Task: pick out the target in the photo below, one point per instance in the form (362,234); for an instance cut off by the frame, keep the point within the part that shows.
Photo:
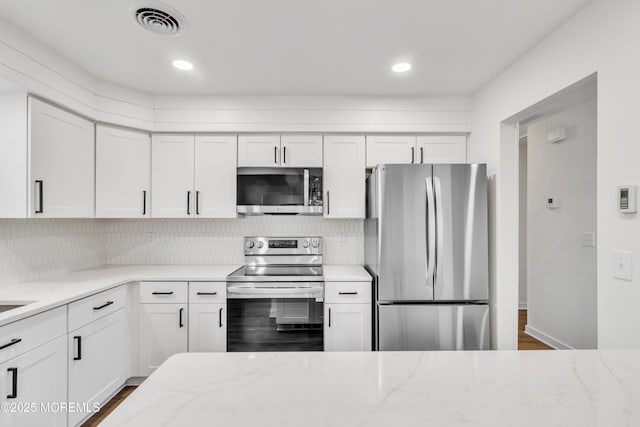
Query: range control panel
(282,245)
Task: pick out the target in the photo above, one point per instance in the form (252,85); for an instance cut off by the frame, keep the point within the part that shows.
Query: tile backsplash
(219,241)
(32,249)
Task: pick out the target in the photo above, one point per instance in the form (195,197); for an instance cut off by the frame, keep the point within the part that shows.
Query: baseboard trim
(134,381)
(547,339)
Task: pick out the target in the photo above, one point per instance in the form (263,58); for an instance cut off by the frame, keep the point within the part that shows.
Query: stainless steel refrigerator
(426,245)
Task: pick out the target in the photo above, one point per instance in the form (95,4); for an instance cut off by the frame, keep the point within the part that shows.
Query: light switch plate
(588,239)
(622,265)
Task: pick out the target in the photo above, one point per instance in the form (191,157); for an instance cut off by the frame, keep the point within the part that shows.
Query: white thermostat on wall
(627,199)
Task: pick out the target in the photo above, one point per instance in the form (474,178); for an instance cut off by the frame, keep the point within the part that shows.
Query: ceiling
(297,47)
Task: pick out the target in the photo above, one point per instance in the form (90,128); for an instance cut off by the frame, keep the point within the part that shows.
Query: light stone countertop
(59,290)
(525,388)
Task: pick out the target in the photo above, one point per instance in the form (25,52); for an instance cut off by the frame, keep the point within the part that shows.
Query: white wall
(602,38)
(32,249)
(218,241)
(561,272)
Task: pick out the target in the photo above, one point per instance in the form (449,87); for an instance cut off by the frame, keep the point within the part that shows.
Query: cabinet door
(442,149)
(382,149)
(215,176)
(208,327)
(97,356)
(172,176)
(302,151)
(344,176)
(163,333)
(347,327)
(62,163)
(41,379)
(123,173)
(258,150)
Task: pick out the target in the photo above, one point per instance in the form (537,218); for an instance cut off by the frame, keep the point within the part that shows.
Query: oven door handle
(293,291)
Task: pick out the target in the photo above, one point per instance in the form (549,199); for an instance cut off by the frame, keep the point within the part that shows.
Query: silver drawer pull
(347,293)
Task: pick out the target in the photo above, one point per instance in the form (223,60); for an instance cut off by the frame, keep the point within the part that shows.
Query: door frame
(505,298)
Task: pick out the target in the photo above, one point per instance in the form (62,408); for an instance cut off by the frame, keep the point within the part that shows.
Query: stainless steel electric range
(275,302)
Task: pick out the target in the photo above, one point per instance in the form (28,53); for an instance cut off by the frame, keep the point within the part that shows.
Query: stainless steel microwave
(292,191)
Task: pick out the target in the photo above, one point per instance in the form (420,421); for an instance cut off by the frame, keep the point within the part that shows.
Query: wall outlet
(622,261)
(552,203)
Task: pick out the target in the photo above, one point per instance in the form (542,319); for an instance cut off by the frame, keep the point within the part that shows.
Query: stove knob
(250,244)
(305,244)
(315,243)
(260,245)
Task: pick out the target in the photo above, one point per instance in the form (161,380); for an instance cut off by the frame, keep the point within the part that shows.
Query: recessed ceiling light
(402,67)
(182,65)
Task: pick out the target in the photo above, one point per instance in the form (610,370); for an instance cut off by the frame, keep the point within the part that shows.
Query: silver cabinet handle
(421,155)
(275,155)
(329,316)
(328,206)
(284,154)
(197,203)
(220,318)
(188,202)
(413,155)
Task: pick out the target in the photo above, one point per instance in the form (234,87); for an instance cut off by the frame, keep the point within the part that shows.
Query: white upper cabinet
(62,146)
(259,150)
(172,172)
(215,176)
(301,151)
(443,148)
(396,149)
(123,173)
(344,176)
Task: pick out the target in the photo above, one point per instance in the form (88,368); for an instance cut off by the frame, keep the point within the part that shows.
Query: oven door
(275,317)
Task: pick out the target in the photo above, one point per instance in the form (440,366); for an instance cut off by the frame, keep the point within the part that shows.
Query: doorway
(557,170)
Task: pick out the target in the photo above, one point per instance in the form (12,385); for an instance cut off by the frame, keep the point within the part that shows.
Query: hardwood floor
(98,417)
(526,342)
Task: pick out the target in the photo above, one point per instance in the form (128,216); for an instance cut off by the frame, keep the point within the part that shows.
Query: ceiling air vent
(160,19)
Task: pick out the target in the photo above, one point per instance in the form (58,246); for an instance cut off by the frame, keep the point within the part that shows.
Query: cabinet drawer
(32,332)
(163,292)
(207,292)
(347,292)
(96,306)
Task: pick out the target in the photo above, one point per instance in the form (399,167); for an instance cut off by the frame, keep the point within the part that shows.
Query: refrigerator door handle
(430,231)
(439,237)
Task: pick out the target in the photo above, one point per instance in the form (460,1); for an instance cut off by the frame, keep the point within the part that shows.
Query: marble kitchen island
(564,388)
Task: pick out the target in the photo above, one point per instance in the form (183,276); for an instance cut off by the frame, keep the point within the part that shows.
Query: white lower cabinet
(163,333)
(34,385)
(207,327)
(347,327)
(98,357)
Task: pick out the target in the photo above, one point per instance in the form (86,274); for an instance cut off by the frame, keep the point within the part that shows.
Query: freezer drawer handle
(14,383)
(347,293)
(79,341)
(10,343)
(106,304)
